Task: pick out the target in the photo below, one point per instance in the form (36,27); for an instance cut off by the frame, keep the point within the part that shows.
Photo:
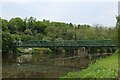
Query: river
(45,68)
(35,71)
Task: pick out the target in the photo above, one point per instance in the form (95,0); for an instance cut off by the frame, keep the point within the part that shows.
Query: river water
(44,69)
(35,71)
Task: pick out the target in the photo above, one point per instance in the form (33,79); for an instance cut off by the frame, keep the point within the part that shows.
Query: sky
(77,12)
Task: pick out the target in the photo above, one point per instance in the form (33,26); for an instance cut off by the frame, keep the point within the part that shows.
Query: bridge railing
(65,43)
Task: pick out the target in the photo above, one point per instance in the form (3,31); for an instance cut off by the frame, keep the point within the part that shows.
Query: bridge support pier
(82,52)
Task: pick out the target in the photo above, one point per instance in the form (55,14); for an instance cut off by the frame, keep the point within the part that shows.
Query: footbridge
(65,43)
(78,47)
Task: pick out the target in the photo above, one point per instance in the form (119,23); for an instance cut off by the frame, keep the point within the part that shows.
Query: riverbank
(102,68)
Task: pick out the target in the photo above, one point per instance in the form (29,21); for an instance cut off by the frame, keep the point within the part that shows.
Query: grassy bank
(102,68)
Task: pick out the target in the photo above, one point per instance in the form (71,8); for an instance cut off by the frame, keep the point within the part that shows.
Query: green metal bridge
(65,43)
(71,47)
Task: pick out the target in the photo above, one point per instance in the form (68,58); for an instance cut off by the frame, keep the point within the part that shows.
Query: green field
(102,68)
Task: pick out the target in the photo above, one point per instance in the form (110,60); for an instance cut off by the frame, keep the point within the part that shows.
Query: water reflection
(35,71)
(46,68)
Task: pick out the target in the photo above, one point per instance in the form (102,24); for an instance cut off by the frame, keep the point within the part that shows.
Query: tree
(7,45)
(27,37)
(31,23)
(40,26)
(28,31)
(16,25)
(4,25)
(39,36)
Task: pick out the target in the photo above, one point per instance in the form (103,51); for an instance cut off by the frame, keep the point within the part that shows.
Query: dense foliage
(32,29)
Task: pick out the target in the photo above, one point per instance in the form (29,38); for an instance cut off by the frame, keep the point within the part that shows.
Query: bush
(41,52)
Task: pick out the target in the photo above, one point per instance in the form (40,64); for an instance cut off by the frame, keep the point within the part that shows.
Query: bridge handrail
(74,43)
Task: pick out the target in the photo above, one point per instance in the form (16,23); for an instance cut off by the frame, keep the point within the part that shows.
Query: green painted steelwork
(65,43)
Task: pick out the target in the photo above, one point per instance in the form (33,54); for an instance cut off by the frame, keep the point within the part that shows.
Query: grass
(102,68)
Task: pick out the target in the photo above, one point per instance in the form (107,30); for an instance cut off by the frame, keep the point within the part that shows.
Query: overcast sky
(76,12)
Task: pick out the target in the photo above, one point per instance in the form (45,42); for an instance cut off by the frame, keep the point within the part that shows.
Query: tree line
(32,29)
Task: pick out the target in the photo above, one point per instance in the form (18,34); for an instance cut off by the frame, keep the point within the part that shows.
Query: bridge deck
(66,43)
